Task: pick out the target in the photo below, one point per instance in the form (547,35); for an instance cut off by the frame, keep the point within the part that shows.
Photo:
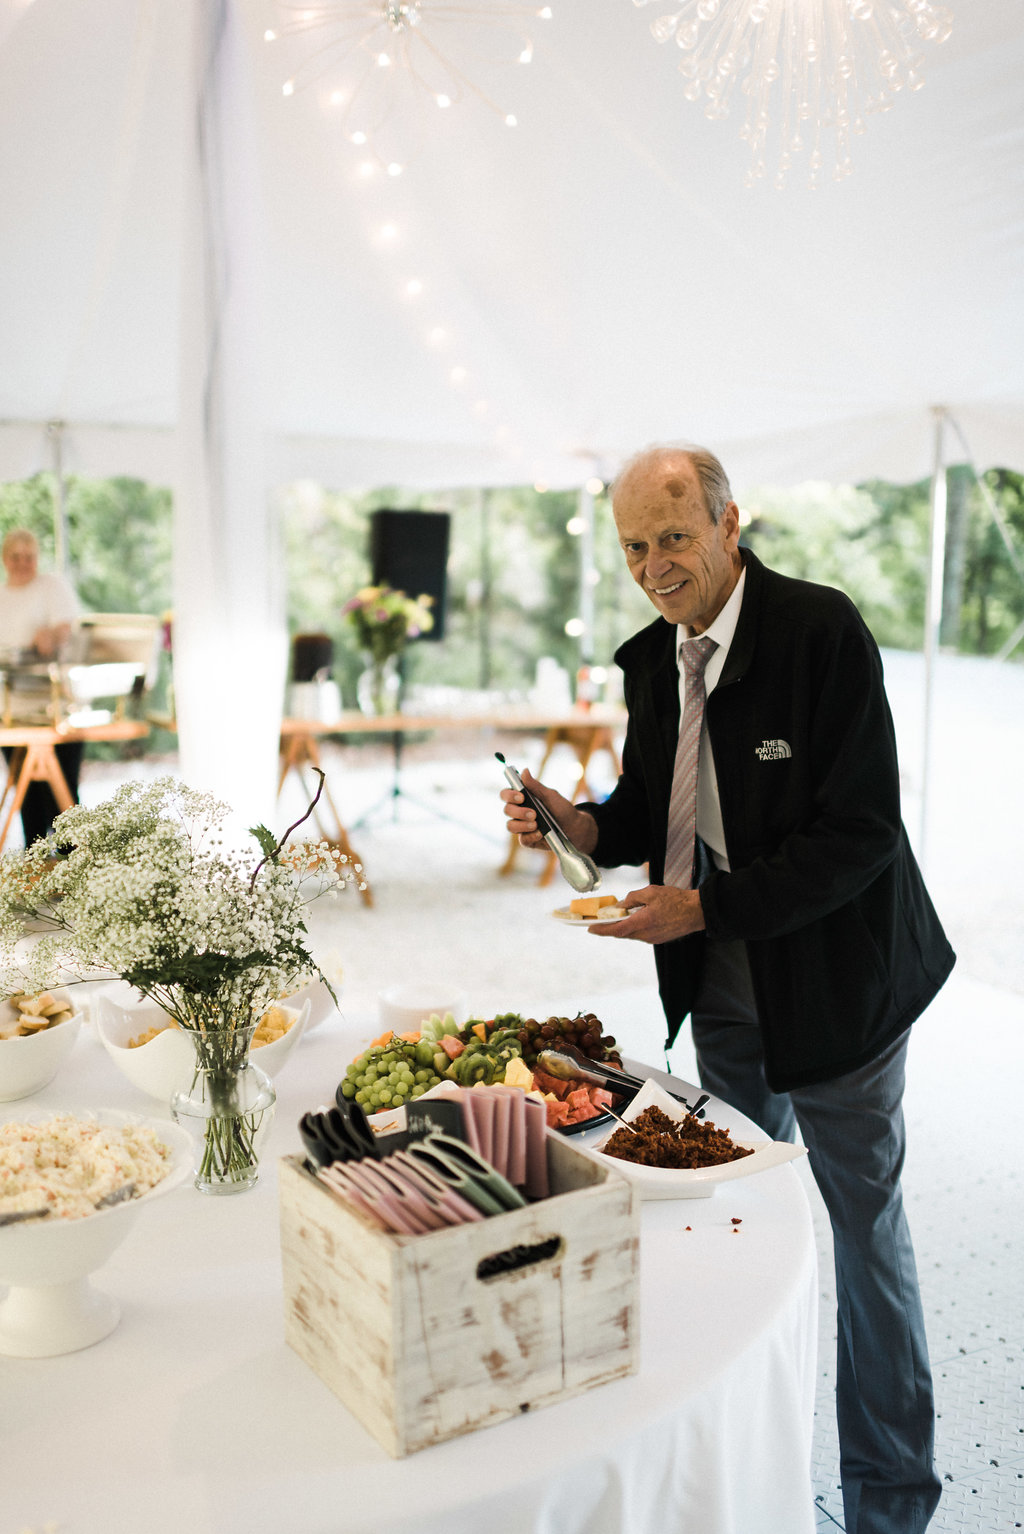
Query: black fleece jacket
(845,947)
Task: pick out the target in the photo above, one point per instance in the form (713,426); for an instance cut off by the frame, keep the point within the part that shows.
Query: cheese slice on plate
(591,905)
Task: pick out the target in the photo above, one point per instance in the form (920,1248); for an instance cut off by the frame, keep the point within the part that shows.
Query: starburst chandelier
(829,64)
(385,60)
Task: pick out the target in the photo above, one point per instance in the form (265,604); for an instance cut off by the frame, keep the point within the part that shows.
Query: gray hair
(712,478)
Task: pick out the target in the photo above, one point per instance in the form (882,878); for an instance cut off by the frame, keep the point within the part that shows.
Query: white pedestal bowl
(51,1306)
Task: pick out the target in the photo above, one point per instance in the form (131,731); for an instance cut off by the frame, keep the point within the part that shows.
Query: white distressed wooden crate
(419,1347)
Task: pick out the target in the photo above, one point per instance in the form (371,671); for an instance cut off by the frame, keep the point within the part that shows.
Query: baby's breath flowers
(147,888)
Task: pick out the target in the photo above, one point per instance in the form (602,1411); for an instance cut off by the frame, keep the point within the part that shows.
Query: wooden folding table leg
(33,764)
(14,770)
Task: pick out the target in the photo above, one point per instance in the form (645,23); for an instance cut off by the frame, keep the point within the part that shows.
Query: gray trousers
(854,1132)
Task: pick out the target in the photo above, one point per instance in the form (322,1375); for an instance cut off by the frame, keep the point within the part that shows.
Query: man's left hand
(657,914)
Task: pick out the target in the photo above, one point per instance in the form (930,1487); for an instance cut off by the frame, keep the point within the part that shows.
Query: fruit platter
(396,1069)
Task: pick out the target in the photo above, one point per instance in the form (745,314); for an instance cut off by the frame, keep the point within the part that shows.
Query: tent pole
(55,432)
(585,512)
(933,609)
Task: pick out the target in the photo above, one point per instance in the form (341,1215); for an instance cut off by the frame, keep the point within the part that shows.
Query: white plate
(564,913)
(697,1182)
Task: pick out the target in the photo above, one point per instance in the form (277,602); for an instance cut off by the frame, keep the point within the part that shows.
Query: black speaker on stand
(409,552)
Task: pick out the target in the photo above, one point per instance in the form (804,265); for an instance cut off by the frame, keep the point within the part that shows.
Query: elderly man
(37,614)
(788,916)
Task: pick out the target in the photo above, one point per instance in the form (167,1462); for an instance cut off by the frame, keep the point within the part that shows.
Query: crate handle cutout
(517,1257)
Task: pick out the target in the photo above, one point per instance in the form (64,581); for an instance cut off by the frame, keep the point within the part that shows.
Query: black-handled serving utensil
(570,1064)
(578,870)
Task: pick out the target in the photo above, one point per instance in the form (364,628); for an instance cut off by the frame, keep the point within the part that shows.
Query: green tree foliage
(513,581)
(873,543)
(119,538)
(993,591)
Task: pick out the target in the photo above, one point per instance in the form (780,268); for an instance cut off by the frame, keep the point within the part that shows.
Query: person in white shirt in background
(38,614)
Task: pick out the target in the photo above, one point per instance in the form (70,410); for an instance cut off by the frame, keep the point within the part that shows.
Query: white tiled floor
(965,1201)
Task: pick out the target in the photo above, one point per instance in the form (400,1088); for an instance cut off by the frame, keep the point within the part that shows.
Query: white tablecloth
(193,1415)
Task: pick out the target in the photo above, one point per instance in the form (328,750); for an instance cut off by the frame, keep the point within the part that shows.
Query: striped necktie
(694,655)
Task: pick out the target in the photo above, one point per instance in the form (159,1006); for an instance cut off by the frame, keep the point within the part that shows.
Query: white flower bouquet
(147,888)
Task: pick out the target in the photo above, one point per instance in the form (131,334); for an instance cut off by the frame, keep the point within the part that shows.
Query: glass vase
(228,1108)
(379,685)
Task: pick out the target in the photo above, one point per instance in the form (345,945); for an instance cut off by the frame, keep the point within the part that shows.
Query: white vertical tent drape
(230,642)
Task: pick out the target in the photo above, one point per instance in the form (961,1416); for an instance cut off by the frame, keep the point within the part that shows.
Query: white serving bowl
(404,1007)
(167,1063)
(28,1064)
(51,1307)
(321,1003)
(698,1182)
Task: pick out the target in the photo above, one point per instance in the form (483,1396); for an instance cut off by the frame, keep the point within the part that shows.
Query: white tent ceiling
(601,271)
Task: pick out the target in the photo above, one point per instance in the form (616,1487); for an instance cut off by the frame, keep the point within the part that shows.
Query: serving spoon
(119,1195)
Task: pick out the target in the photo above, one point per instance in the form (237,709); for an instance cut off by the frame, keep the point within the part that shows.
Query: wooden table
(34,759)
(584,731)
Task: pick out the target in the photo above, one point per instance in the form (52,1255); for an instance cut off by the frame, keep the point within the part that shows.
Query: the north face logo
(773,750)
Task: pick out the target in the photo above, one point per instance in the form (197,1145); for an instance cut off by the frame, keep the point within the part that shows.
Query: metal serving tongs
(570,1064)
(578,869)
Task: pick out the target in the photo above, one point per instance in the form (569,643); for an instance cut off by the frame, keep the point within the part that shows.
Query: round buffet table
(195,1415)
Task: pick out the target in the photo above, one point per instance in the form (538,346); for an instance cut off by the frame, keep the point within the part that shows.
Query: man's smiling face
(687,564)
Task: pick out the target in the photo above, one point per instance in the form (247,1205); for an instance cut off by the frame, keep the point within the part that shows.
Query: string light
(396,53)
(835,63)
(398,57)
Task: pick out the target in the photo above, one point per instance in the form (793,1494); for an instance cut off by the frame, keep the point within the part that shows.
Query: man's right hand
(579,827)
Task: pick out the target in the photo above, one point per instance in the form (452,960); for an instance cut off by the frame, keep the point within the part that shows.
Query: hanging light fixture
(389,57)
(828,64)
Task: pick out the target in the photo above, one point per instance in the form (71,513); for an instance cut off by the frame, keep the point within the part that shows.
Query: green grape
(348,1089)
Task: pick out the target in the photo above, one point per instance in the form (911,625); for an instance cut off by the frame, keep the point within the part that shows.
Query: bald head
(678,527)
(673,467)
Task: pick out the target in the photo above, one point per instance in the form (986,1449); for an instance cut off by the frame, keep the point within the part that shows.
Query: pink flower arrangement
(385,619)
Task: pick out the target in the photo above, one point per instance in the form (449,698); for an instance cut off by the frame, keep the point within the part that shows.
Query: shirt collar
(724,626)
